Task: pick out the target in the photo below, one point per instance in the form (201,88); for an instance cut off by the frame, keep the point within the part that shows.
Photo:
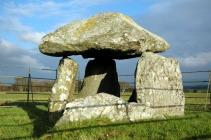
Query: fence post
(208,88)
(32,93)
(29,86)
(56,73)
(79,86)
(208,91)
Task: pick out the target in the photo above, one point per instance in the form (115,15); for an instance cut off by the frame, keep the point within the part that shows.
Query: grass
(29,121)
(25,121)
(197,98)
(21,97)
(191,126)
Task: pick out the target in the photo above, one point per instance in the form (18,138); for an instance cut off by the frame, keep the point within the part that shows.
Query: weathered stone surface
(100,76)
(159,84)
(110,35)
(63,88)
(105,105)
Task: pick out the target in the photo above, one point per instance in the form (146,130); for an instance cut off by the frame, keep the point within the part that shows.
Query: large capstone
(108,35)
(159,84)
(104,105)
(63,88)
(100,76)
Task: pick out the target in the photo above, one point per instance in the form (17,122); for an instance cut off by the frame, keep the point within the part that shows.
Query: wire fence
(35,85)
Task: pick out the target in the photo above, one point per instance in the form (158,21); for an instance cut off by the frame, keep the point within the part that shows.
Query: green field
(19,120)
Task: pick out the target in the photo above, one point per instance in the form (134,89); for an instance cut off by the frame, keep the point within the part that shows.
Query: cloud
(16,56)
(198,60)
(89,3)
(34,37)
(185,24)
(62,11)
(49,8)
(27,9)
(12,24)
(24,33)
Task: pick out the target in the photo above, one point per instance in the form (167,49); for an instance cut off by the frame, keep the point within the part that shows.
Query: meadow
(19,120)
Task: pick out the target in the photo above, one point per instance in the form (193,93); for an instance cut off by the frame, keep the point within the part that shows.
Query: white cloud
(86,3)
(49,8)
(12,24)
(27,60)
(6,47)
(64,10)
(27,9)
(34,37)
(13,55)
(24,32)
(198,60)
(185,24)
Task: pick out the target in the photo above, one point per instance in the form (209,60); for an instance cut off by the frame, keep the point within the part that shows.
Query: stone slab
(106,35)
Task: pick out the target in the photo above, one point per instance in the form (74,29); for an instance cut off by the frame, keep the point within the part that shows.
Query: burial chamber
(105,37)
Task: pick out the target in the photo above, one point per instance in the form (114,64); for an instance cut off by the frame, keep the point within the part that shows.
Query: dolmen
(158,90)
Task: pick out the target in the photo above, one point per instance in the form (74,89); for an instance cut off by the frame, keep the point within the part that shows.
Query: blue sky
(185,24)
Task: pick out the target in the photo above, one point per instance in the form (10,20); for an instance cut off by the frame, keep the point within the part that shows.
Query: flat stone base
(104,105)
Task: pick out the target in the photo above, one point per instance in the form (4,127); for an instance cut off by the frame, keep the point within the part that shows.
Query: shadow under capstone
(100,77)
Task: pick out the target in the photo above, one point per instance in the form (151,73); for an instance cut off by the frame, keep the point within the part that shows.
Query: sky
(185,24)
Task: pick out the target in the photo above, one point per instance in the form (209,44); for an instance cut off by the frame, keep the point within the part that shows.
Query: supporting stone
(159,84)
(133,97)
(100,76)
(63,89)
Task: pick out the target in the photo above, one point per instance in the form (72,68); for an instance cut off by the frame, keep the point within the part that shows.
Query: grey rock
(159,84)
(63,88)
(100,76)
(107,35)
(137,112)
(104,105)
(96,106)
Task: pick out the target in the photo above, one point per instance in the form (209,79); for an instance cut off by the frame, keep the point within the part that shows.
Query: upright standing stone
(159,84)
(64,87)
(100,76)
